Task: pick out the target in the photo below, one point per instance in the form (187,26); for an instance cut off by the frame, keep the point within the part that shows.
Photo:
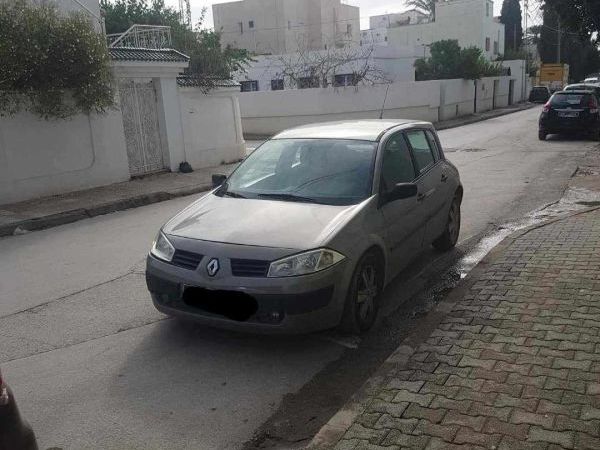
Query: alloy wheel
(366,293)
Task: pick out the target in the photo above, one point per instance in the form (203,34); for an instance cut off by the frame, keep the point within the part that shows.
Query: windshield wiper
(289,198)
(233,194)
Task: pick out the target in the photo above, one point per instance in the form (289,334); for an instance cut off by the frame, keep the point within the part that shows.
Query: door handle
(421,197)
(444,178)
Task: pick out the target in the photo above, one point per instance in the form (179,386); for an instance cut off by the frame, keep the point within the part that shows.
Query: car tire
(449,237)
(542,135)
(364,294)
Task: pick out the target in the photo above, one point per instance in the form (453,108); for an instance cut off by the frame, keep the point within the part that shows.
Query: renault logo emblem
(212,267)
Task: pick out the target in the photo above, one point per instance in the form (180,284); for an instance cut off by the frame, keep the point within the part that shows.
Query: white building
(410,17)
(470,22)
(388,64)
(284,26)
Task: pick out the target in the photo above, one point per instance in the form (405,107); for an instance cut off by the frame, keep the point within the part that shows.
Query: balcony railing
(142,36)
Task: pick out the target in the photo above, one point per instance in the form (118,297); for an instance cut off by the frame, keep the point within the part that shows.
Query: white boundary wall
(40,157)
(212,127)
(267,113)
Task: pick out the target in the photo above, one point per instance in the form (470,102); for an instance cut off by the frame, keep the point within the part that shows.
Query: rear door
(404,219)
(432,182)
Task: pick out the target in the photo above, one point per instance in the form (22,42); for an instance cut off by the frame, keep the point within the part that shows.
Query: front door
(403,218)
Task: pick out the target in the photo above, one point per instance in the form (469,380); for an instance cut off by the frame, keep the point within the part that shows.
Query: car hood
(264,223)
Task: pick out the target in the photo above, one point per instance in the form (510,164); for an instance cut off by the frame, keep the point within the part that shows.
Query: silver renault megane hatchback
(307,231)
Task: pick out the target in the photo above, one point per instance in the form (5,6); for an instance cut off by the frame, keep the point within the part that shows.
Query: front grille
(249,268)
(187,260)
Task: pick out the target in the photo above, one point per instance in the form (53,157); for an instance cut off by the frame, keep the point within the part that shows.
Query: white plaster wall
(39,157)
(266,113)
(517,73)
(457,98)
(212,128)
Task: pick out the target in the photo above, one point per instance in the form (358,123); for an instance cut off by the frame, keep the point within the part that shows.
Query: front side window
(328,171)
(421,150)
(397,163)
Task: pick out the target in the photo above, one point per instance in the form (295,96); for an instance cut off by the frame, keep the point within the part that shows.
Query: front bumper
(263,305)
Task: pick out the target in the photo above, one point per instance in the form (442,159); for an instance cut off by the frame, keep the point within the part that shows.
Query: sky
(367,8)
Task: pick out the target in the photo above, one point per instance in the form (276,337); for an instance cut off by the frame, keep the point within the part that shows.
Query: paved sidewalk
(510,360)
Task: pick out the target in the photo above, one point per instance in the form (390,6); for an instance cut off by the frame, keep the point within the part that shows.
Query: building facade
(470,22)
(286,26)
(268,72)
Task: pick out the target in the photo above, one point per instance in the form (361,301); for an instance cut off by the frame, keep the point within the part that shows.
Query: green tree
(427,6)
(576,49)
(448,60)
(579,16)
(511,17)
(52,65)
(209,61)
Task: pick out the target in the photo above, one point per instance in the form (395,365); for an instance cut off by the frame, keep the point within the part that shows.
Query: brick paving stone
(514,364)
(562,438)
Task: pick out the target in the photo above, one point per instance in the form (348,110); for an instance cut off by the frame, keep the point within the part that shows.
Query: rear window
(571,99)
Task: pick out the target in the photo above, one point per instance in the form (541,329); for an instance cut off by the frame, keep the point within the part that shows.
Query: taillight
(593,105)
(546,107)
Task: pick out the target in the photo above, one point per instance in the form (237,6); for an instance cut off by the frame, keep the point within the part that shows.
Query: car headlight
(162,248)
(305,263)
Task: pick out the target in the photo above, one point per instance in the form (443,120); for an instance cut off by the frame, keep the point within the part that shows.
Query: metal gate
(140,121)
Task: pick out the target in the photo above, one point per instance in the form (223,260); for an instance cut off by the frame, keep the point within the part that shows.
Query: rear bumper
(286,305)
(566,126)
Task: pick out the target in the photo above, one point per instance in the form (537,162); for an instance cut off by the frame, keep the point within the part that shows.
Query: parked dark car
(539,94)
(15,433)
(570,112)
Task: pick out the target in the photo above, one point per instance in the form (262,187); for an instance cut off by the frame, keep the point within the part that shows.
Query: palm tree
(427,6)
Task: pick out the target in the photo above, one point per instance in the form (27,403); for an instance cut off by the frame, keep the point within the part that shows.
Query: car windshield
(570,100)
(327,171)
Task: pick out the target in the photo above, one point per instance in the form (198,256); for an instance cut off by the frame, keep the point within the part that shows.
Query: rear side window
(421,150)
(566,100)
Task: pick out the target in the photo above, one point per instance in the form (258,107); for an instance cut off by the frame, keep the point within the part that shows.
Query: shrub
(53,66)
(448,60)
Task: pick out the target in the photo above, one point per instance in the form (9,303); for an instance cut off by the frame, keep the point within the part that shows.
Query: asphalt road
(95,366)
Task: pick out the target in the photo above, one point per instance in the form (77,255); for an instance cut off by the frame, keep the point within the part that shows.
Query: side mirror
(401,191)
(218,180)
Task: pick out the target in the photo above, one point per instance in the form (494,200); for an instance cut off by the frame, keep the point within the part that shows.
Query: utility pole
(559,42)
(526,46)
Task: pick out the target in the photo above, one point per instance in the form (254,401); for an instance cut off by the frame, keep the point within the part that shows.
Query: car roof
(364,130)
(590,86)
(576,91)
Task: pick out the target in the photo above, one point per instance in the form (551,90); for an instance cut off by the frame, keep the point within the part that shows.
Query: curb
(337,426)
(65,217)
(475,119)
